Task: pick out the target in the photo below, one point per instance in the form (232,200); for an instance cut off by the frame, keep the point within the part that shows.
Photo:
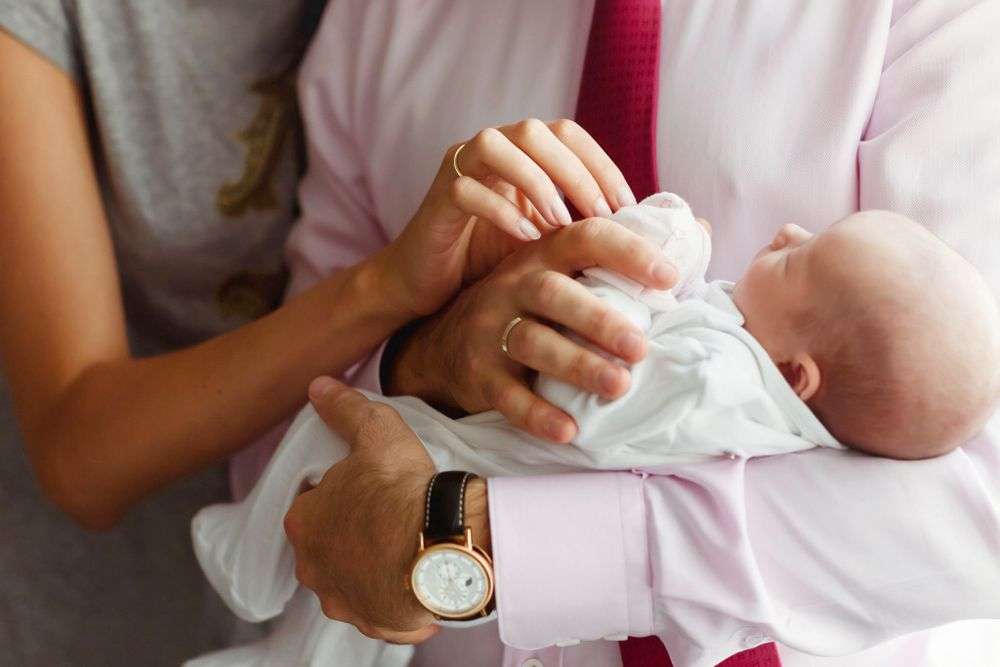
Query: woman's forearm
(126,427)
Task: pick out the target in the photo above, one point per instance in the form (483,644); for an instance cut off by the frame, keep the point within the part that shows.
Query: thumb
(348,413)
(343,409)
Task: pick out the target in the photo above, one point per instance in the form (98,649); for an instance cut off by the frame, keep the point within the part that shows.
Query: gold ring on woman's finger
(505,338)
(454,162)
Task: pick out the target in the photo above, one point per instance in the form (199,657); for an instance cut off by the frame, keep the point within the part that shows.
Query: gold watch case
(470,550)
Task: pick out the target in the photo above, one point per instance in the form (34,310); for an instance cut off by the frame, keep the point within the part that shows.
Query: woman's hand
(508,194)
(355,535)
(455,358)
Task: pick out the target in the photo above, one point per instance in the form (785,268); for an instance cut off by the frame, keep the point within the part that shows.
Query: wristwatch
(451,577)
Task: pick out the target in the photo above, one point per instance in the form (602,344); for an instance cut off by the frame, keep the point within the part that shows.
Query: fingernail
(630,345)
(528,230)
(663,272)
(601,208)
(321,386)
(608,379)
(560,212)
(625,196)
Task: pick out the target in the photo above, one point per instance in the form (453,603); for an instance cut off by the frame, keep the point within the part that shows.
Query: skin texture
(894,364)
(104,429)
(362,581)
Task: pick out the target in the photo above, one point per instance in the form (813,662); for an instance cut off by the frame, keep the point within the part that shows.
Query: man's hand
(355,535)
(454,359)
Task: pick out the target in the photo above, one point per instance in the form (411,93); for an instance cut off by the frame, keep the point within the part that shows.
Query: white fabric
(705,389)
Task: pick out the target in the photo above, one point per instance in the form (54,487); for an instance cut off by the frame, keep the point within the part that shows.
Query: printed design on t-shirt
(249,295)
(265,139)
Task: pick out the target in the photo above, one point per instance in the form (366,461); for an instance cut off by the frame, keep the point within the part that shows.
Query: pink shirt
(769,112)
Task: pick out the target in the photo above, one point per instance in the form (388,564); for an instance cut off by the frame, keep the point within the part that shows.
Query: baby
(889,336)
(872,334)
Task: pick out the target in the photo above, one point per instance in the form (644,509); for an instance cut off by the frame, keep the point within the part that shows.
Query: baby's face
(777,282)
(798,268)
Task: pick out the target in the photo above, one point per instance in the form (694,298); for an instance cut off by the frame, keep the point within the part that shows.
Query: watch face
(450,582)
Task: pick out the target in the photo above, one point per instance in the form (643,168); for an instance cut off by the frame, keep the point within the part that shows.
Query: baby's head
(890,337)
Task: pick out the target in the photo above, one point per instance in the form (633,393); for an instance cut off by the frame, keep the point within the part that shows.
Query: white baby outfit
(705,389)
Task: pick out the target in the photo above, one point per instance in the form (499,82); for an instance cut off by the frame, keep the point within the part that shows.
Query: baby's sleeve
(666,221)
(698,393)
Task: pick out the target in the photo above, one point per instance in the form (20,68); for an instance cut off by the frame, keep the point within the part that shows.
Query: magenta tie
(617,101)
(617,106)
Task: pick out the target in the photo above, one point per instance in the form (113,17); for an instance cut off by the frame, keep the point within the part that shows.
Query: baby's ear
(802,374)
(705,224)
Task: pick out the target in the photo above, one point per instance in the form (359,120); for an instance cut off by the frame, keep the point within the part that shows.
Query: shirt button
(532,662)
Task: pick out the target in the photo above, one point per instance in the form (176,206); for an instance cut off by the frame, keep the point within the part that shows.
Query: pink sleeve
(828,552)
(558,583)
(737,552)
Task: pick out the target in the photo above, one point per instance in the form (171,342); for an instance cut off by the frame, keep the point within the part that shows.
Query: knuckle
(640,249)
(564,128)
(376,421)
(590,230)
(381,414)
(600,320)
(549,287)
(505,399)
(469,364)
(486,139)
(530,129)
(474,365)
(536,415)
(582,368)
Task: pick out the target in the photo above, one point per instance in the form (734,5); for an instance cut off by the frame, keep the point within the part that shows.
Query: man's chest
(761,105)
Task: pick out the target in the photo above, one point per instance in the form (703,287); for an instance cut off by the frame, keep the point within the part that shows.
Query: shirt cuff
(570,558)
(365,374)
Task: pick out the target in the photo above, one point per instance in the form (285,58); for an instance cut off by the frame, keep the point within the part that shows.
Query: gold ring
(506,334)
(454,161)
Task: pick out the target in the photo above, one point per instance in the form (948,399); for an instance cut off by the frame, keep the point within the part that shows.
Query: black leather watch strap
(444,514)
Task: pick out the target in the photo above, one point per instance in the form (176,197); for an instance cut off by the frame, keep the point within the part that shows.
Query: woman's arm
(104,429)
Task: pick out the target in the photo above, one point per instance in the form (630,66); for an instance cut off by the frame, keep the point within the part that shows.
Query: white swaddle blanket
(706,388)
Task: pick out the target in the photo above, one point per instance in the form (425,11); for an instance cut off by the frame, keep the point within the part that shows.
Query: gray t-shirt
(193,126)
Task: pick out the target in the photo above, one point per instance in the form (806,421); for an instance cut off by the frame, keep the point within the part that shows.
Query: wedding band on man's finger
(505,338)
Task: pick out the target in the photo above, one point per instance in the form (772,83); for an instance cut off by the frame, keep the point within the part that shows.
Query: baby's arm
(666,220)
